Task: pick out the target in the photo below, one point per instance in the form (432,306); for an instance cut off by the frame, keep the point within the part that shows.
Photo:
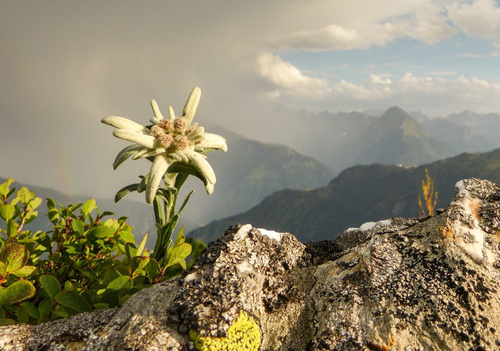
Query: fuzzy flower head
(175,145)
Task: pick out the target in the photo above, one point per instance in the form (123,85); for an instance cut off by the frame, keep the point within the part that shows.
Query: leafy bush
(87,261)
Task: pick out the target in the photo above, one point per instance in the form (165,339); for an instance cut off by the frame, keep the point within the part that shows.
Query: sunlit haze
(64,65)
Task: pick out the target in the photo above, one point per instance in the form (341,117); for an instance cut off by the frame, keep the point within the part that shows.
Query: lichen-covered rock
(401,284)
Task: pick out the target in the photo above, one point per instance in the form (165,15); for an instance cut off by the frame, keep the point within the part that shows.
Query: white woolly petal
(156,110)
(201,164)
(148,153)
(181,154)
(212,141)
(123,123)
(139,138)
(192,104)
(158,169)
(171,113)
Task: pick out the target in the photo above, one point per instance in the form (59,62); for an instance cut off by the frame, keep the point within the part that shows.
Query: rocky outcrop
(400,284)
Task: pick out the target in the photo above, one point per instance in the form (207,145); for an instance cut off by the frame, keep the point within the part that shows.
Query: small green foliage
(87,261)
(244,334)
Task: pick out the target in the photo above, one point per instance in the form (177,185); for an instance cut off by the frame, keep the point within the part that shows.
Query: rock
(401,284)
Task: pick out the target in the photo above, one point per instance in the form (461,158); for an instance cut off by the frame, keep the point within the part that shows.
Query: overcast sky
(64,65)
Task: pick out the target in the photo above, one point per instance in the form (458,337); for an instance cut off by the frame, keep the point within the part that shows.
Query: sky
(64,65)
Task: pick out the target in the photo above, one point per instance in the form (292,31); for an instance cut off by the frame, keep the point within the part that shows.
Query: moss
(244,334)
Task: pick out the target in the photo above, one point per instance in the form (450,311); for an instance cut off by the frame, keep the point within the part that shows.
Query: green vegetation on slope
(359,194)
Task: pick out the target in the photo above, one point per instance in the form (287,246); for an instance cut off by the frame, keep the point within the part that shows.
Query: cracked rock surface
(400,284)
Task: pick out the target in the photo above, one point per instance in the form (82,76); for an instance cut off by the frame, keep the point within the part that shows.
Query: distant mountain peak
(395,114)
(396,109)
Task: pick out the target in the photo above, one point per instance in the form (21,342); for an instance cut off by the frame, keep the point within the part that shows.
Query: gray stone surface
(401,284)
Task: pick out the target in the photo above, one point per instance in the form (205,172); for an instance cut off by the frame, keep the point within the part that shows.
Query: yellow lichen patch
(244,334)
(447,231)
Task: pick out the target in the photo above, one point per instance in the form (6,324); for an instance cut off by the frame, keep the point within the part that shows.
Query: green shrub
(87,261)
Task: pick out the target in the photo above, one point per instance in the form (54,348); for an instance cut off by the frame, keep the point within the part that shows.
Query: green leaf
(3,268)
(180,237)
(100,305)
(115,289)
(109,276)
(17,291)
(14,255)
(62,312)
(125,191)
(171,272)
(12,228)
(130,250)
(22,315)
(142,245)
(88,206)
(139,263)
(25,195)
(78,226)
(197,246)
(126,236)
(51,204)
(120,283)
(32,309)
(152,270)
(45,309)
(72,300)
(30,216)
(4,187)
(35,202)
(126,153)
(68,286)
(104,230)
(51,285)
(7,211)
(184,203)
(53,215)
(24,272)
(179,255)
(7,321)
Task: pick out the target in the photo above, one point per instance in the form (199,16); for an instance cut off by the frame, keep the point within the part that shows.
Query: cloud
(442,73)
(282,78)
(425,22)
(480,18)
(374,79)
(435,93)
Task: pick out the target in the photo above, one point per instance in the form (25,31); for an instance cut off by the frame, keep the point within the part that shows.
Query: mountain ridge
(358,194)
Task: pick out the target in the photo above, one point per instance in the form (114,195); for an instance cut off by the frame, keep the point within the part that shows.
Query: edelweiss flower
(175,144)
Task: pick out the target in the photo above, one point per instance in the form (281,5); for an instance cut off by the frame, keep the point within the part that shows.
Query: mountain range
(249,172)
(253,171)
(357,195)
(345,139)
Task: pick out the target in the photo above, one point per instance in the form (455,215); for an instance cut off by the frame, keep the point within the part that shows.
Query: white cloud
(480,18)
(423,21)
(283,78)
(374,79)
(443,73)
(436,93)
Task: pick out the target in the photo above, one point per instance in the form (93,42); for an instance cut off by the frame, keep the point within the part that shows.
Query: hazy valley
(274,186)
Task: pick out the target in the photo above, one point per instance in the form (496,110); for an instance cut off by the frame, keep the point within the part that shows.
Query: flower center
(173,134)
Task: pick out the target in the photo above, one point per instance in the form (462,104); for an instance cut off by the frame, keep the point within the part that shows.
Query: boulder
(399,284)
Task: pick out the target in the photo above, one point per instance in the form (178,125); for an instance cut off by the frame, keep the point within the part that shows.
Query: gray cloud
(65,65)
